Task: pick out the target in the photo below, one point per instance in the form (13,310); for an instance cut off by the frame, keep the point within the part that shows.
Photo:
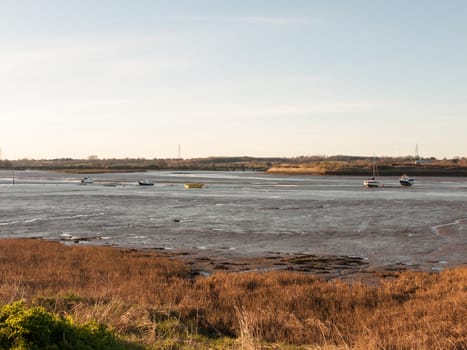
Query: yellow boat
(194,185)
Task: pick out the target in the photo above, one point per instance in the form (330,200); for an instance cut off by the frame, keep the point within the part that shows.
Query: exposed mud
(241,221)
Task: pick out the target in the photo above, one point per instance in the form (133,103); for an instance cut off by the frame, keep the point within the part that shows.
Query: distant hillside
(141,164)
(314,165)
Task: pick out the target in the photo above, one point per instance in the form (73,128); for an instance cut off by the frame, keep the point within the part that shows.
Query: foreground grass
(154,302)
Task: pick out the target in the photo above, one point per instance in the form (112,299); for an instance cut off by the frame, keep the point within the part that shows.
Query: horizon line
(95,158)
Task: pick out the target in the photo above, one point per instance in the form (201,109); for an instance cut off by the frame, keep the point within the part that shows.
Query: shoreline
(292,171)
(306,165)
(428,171)
(326,267)
(207,262)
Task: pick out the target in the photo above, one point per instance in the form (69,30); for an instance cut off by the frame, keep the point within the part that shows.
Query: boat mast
(374,167)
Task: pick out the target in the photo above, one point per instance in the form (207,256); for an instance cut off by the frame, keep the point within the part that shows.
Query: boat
(372,182)
(406,180)
(87,180)
(194,185)
(145,183)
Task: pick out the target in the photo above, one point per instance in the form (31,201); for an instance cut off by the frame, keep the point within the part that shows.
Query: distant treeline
(316,165)
(387,166)
(141,164)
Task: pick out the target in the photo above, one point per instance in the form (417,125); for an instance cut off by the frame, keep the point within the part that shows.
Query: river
(245,214)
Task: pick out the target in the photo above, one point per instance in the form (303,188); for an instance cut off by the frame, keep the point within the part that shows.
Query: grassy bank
(315,165)
(156,302)
(349,169)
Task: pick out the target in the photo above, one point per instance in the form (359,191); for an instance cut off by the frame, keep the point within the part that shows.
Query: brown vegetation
(362,167)
(140,164)
(316,165)
(156,301)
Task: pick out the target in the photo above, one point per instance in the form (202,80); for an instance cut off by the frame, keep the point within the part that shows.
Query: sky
(260,78)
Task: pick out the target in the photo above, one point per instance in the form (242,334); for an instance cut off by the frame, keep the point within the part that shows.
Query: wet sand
(330,226)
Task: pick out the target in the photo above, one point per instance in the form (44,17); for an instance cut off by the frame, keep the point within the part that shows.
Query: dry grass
(154,301)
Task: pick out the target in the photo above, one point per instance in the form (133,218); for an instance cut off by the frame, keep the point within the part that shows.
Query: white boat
(87,180)
(406,180)
(145,183)
(372,181)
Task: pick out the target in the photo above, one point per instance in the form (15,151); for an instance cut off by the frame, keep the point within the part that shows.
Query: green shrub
(36,328)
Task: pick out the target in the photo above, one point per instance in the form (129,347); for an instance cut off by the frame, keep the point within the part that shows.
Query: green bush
(36,328)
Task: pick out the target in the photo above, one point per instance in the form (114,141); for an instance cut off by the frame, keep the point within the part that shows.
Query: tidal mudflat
(293,221)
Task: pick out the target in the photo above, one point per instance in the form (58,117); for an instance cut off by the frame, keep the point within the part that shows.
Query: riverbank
(159,302)
(315,165)
(326,267)
(384,170)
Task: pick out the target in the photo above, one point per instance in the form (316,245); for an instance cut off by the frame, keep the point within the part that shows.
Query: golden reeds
(154,300)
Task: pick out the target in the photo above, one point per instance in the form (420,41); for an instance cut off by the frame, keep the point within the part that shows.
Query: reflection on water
(244,213)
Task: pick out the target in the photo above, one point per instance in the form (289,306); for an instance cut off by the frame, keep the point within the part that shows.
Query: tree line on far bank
(227,163)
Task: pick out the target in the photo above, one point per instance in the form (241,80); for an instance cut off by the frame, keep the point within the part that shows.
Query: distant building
(422,161)
(93,157)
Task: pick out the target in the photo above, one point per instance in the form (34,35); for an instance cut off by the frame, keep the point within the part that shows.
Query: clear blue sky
(137,78)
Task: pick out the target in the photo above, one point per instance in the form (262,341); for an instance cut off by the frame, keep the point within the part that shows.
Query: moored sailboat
(87,180)
(406,180)
(372,181)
